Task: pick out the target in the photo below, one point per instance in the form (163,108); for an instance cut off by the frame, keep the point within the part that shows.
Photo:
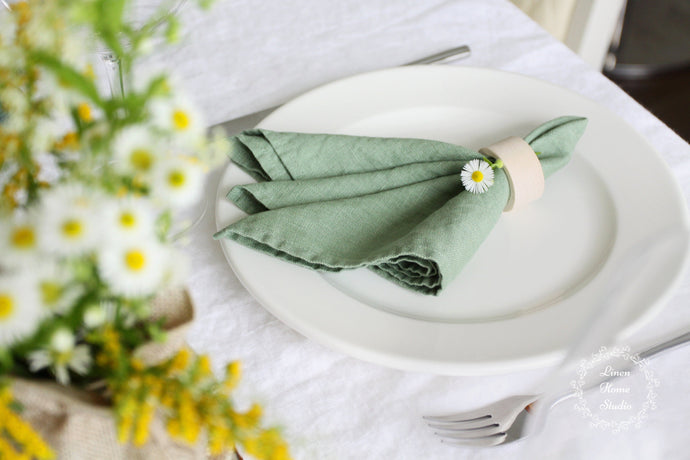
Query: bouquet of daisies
(90,184)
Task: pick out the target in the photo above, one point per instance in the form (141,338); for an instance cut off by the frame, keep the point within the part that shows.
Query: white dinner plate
(534,281)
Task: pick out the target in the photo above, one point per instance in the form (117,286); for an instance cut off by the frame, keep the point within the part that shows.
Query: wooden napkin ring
(523,170)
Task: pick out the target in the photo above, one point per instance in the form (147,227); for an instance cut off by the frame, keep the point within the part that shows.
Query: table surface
(246,56)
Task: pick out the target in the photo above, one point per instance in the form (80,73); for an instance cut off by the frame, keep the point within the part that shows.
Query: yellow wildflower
(23,11)
(205,366)
(219,439)
(141,427)
(137,365)
(19,433)
(180,361)
(233,373)
(69,141)
(267,444)
(124,427)
(174,427)
(189,417)
(84,112)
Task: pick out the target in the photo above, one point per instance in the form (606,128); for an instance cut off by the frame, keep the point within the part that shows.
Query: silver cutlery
(496,424)
(239,124)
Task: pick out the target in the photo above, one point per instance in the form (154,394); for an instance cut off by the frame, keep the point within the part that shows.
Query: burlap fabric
(80,425)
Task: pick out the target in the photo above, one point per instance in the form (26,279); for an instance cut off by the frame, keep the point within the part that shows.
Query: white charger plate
(540,273)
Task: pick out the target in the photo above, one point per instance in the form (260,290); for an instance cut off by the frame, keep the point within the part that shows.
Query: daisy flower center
(176,179)
(477,176)
(6,306)
(84,112)
(128,220)
(180,120)
(141,159)
(72,228)
(23,237)
(135,260)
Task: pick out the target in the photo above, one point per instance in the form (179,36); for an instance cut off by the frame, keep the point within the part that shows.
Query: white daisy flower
(20,309)
(134,269)
(69,221)
(129,218)
(61,355)
(19,240)
(136,150)
(178,116)
(178,181)
(477,176)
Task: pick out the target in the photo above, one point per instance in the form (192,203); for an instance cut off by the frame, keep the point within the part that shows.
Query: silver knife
(237,125)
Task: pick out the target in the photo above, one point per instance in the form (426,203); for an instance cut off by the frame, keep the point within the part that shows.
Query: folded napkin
(396,206)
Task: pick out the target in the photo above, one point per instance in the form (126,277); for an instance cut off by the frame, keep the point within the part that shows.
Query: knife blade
(237,125)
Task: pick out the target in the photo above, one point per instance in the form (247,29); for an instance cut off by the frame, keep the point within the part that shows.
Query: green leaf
(112,13)
(69,75)
(6,361)
(172,31)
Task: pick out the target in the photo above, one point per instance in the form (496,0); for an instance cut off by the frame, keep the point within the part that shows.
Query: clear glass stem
(113,71)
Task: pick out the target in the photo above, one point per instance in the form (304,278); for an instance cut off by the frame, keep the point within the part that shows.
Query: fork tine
(478,414)
(482,432)
(487,441)
(463,425)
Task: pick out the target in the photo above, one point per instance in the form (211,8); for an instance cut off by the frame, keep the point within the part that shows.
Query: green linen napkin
(396,206)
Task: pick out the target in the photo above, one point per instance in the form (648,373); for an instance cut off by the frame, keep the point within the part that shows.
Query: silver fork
(483,427)
(497,423)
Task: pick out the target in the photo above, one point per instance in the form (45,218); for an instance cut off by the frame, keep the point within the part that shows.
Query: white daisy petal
(95,316)
(61,373)
(39,359)
(62,341)
(81,360)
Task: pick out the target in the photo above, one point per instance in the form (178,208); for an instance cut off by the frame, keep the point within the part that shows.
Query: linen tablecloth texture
(396,206)
(247,56)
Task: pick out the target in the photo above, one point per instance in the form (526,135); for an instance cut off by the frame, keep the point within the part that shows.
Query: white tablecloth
(244,56)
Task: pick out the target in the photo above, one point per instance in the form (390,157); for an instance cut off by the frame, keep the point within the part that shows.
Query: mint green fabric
(396,206)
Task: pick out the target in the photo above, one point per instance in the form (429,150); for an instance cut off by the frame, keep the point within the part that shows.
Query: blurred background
(641,45)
